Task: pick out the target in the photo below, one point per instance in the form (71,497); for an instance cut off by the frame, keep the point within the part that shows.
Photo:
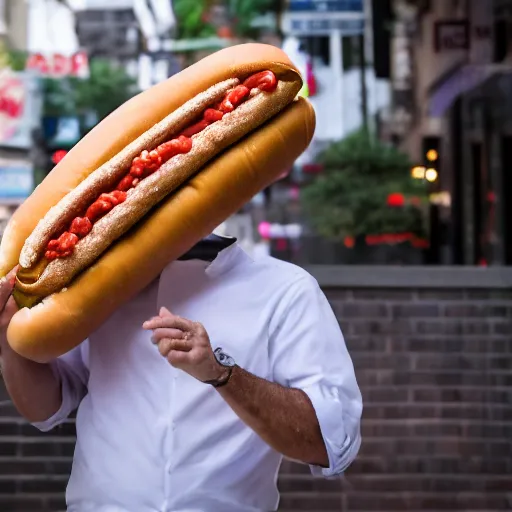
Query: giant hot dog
(144,186)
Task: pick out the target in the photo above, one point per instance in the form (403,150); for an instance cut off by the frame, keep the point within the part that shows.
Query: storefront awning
(457,82)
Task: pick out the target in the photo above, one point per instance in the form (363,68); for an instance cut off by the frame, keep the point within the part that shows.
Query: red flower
(311,79)
(224,32)
(396,200)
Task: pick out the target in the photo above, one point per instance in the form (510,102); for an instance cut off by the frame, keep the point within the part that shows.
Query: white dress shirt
(151,438)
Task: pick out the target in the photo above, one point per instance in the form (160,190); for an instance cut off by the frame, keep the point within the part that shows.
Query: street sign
(20,107)
(16,180)
(325,6)
(305,26)
(322,17)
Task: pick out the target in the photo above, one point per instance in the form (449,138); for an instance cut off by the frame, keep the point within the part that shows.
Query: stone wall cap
(359,276)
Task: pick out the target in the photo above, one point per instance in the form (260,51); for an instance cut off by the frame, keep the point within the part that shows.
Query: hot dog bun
(65,319)
(123,126)
(224,133)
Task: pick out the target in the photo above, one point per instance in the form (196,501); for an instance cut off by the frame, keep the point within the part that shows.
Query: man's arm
(307,351)
(38,391)
(283,417)
(33,387)
(311,411)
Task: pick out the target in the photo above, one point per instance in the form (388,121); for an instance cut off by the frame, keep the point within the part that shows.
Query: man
(176,415)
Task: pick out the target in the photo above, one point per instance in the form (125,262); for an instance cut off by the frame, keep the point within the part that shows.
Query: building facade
(329,37)
(451,72)
(13,23)
(20,103)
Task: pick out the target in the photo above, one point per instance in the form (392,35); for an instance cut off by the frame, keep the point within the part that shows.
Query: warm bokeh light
(418,172)
(431,175)
(432,155)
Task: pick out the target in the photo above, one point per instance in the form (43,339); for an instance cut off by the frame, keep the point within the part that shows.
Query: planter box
(319,251)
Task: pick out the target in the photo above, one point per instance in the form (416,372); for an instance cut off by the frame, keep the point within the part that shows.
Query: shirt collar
(226,259)
(208,248)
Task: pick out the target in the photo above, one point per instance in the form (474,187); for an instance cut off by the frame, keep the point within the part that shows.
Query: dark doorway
(479,187)
(506,195)
(457,224)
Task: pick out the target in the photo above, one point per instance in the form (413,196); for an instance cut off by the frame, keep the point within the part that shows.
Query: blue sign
(16,180)
(325,6)
(312,26)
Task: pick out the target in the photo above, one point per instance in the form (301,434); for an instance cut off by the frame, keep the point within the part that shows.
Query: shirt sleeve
(72,371)
(308,352)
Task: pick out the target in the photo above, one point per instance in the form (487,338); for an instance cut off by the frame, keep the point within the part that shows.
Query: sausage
(149,162)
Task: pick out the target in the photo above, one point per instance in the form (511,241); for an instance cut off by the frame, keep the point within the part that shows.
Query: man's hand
(272,411)
(186,345)
(8,306)
(33,388)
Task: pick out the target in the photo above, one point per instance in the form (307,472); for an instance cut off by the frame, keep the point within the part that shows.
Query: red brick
(434,368)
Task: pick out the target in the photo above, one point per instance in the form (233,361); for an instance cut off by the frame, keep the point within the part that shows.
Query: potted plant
(366,203)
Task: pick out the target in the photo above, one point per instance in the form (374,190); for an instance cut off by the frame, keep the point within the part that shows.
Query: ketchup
(149,162)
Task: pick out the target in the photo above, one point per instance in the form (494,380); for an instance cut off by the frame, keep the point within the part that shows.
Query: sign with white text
(16,180)
(325,6)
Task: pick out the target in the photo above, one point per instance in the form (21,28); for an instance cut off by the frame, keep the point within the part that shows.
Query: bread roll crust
(110,173)
(155,188)
(65,319)
(127,123)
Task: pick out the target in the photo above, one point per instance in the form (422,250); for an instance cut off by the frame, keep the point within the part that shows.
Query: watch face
(223,358)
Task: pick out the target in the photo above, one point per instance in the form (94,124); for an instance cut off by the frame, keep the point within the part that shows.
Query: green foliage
(246,11)
(189,15)
(12,59)
(107,88)
(17,60)
(350,197)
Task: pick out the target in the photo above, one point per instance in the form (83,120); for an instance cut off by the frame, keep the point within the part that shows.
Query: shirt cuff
(68,400)
(340,431)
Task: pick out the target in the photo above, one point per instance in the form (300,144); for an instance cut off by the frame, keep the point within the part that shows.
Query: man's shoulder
(281,273)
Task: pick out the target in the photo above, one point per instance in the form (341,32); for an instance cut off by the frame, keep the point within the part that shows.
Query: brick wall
(435,368)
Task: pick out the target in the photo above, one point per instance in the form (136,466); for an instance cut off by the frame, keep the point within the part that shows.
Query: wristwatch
(227,362)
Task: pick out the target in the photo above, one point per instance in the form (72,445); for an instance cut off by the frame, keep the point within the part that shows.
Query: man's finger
(11,308)
(154,323)
(6,286)
(178,358)
(166,345)
(168,322)
(160,334)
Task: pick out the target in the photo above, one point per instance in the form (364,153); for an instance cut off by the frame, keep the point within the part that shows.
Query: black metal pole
(364,91)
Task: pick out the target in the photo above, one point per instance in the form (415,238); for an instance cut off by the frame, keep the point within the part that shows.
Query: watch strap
(218,383)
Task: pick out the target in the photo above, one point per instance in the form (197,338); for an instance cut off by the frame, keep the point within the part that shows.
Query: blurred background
(409,160)
(400,208)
